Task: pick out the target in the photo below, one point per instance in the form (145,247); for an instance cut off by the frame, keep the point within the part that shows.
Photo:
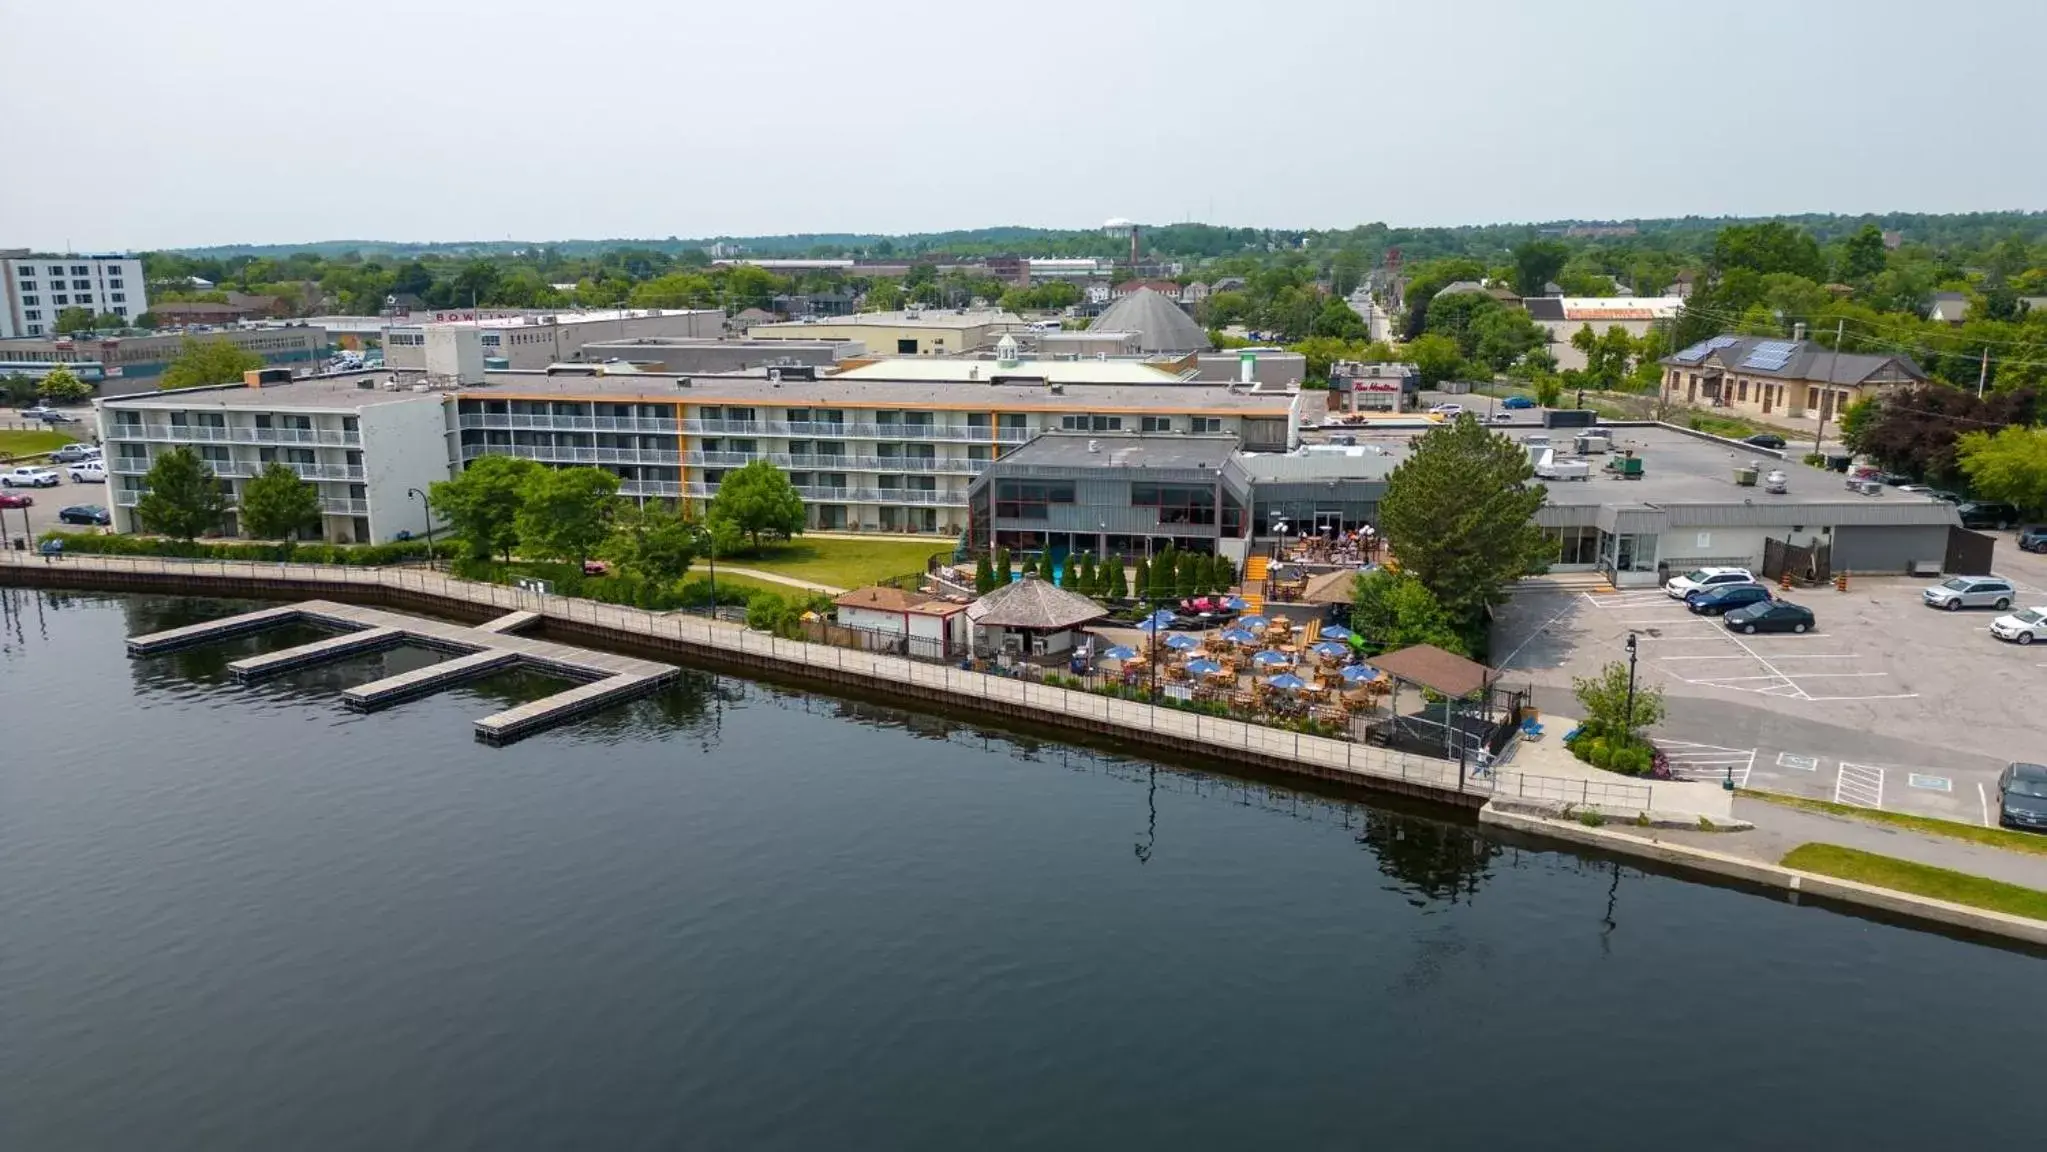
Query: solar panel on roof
(1704,348)
(1770,355)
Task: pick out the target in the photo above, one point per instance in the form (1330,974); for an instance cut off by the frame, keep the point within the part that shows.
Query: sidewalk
(778,578)
(1685,799)
(1779,829)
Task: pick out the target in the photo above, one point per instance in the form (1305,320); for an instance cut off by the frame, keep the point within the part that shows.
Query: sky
(222,122)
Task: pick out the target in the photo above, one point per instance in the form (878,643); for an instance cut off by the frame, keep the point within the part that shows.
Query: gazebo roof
(1033,603)
(1432,667)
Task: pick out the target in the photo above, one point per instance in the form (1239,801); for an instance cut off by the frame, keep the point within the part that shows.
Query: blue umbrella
(1119,652)
(1334,633)
(1358,673)
(1152,627)
(1288,681)
(1268,659)
(1162,617)
(1331,649)
(1203,667)
(1239,636)
(1234,603)
(1182,641)
(1252,621)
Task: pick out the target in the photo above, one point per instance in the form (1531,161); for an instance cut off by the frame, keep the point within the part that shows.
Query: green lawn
(728,580)
(840,563)
(1918,879)
(2031,842)
(14,442)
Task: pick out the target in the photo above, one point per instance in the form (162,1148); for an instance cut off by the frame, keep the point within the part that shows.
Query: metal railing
(1136,718)
(231,434)
(806,429)
(918,496)
(336,506)
(832,463)
(552,423)
(571,454)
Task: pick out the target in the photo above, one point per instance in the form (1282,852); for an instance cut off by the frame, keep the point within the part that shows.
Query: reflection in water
(1435,861)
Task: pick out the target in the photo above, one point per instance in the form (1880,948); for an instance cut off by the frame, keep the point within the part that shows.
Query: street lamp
(427,508)
(1631,686)
(710,541)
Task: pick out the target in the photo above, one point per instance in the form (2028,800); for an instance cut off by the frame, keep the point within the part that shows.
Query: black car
(1770,616)
(1987,514)
(2022,796)
(2033,538)
(1765,440)
(1720,601)
(85,514)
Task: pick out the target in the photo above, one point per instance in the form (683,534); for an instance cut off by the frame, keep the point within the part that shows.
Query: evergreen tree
(1087,573)
(1459,512)
(1191,574)
(1141,587)
(1117,586)
(984,575)
(1225,573)
(1164,574)
(1003,574)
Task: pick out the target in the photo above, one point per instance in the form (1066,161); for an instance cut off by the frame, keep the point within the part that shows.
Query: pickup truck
(30,477)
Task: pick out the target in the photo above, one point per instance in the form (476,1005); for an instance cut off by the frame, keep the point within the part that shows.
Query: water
(736,917)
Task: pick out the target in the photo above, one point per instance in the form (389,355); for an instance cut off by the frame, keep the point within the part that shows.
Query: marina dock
(605,678)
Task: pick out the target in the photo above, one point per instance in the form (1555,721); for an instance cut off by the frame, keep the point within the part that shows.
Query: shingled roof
(1035,604)
(1801,359)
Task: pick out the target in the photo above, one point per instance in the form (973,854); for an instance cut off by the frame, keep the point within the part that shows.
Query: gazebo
(1464,685)
(1032,617)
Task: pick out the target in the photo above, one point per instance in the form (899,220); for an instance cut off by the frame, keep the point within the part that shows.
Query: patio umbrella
(1331,649)
(1203,667)
(1287,681)
(1153,627)
(1359,673)
(1239,636)
(1334,633)
(1252,621)
(1234,603)
(1119,652)
(1269,658)
(1181,641)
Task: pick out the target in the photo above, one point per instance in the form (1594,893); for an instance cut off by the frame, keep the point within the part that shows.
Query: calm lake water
(737,917)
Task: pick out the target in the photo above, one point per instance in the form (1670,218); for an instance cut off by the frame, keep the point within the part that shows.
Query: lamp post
(1631,686)
(426,507)
(711,550)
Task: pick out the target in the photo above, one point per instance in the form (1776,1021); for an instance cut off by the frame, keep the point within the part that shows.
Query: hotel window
(81,270)
(121,310)
(1157,424)
(35,329)
(28,285)
(31,301)
(32,313)
(60,300)
(117,297)
(81,284)
(115,283)
(56,269)
(1208,424)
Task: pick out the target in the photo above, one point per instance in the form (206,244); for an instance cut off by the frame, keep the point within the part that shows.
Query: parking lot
(34,521)
(1887,704)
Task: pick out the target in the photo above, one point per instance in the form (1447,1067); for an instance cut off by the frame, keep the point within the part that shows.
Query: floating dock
(606,678)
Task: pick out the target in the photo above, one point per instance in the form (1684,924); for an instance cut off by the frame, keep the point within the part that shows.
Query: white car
(1703,579)
(1447,410)
(2021,627)
(88,472)
(30,478)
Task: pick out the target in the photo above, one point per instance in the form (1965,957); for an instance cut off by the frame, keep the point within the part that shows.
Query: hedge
(358,555)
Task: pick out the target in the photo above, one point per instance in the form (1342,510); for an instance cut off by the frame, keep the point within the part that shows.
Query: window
(906,347)
(1157,424)
(31,301)
(121,310)
(115,283)
(32,313)
(28,285)
(35,329)
(56,269)
(1031,499)
(81,269)
(1085,423)
(85,301)
(1208,424)
(1176,503)
(60,300)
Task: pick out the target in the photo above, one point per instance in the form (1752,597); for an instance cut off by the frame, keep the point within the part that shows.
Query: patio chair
(1531,729)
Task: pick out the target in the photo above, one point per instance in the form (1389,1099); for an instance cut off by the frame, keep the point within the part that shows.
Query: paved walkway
(778,578)
(1548,757)
(1779,829)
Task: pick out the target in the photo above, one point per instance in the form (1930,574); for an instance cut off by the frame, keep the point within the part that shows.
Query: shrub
(1602,756)
(1591,817)
(314,552)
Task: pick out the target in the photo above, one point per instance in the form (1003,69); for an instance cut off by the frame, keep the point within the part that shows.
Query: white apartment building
(362,442)
(34,289)
(537,339)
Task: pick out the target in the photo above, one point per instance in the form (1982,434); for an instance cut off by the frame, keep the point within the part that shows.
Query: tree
(1338,320)
(1536,263)
(1502,336)
(675,290)
(482,503)
(1459,512)
(1394,610)
(1767,247)
(277,504)
(1348,270)
(1437,357)
(1003,572)
(884,296)
(759,499)
(1140,582)
(204,362)
(565,513)
(984,575)
(1548,389)
(1087,572)
(1863,256)
(651,542)
(71,320)
(1188,576)
(1118,587)
(2009,464)
(1916,431)
(183,498)
(1165,574)
(1605,701)
(62,386)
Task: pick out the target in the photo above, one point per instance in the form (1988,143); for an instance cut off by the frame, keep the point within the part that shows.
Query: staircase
(1594,582)
(1257,569)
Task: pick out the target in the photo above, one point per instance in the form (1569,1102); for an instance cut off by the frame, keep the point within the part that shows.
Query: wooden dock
(605,678)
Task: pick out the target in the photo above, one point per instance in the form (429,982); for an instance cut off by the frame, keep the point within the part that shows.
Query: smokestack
(1133,249)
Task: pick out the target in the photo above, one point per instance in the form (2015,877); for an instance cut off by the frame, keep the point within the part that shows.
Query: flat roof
(664,387)
(1123,450)
(972,371)
(549,319)
(339,390)
(908,318)
(1364,462)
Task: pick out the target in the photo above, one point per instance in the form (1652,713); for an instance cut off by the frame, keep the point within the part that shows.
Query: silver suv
(1961,592)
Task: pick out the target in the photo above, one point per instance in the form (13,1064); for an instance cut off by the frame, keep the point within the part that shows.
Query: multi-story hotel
(364,443)
(35,289)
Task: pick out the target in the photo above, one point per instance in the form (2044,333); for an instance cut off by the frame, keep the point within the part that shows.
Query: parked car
(73,453)
(1930,490)
(1765,440)
(16,500)
(1896,479)
(2022,796)
(1770,616)
(85,514)
(52,416)
(1959,592)
(1703,579)
(1447,410)
(29,476)
(1719,601)
(2021,627)
(2033,538)
(1987,514)
(87,472)
(1518,403)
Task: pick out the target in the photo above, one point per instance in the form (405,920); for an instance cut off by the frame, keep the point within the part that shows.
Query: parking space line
(1983,801)
(1712,759)
(1860,785)
(1569,607)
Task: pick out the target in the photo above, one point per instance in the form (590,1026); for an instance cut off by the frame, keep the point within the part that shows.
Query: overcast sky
(156,124)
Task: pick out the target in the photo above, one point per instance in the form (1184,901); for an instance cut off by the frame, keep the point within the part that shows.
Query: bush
(314,552)
(1602,756)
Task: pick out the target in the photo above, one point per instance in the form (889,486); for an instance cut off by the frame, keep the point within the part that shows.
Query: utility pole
(1983,372)
(1840,327)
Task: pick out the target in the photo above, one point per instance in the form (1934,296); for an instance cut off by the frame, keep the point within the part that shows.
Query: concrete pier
(426,681)
(606,678)
(318,652)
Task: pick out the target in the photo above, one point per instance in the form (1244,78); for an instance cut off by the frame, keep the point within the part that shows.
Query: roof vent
(1094,445)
